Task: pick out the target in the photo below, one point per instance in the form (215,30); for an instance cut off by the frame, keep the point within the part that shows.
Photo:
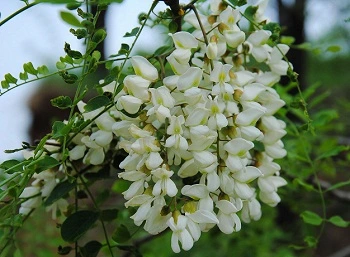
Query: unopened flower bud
(237,94)
(190,207)
(212,19)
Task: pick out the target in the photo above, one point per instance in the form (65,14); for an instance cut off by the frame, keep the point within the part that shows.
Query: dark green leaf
(62,102)
(133,32)
(275,30)
(77,224)
(10,79)
(64,250)
(44,163)
(250,11)
(59,192)
(121,234)
(99,36)
(91,249)
(13,165)
(69,78)
(96,102)
(109,215)
(29,68)
(312,218)
(59,129)
(124,49)
(70,19)
(173,27)
(338,221)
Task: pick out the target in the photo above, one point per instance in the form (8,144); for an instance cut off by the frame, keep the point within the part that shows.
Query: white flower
(260,50)
(162,103)
(228,219)
(144,68)
(129,103)
(32,197)
(237,150)
(180,233)
(164,185)
(137,87)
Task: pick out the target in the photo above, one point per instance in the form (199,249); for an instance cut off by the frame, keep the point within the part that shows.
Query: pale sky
(38,35)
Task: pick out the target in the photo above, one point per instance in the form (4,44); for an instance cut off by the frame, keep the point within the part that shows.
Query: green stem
(97,208)
(16,13)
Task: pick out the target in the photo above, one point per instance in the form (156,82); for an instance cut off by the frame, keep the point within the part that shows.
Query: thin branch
(16,13)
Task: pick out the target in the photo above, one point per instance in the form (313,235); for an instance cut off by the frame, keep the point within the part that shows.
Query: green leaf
(250,11)
(312,218)
(287,40)
(60,65)
(5,84)
(120,185)
(340,184)
(161,50)
(99,36)
(73,6)
(311,241)
(43,70)
(133,32)
(23,75)
(9,164)
(10,79)
(91,249)
(44,163)
(121,234)
(70,19)
(333,49)
(124,49)
(96,102)
(333,152)
(338,221)
(109,215)
(307,186)
(275,30)
(238,2)
(60,129)
(64,250)
(29,68)
(62,102)
(77,224)
(173,27)
(59,192)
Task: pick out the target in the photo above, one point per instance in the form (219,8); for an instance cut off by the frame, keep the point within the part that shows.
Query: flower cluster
(200,142)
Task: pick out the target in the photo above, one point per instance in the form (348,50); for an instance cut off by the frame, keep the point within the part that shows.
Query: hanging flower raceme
(209,120)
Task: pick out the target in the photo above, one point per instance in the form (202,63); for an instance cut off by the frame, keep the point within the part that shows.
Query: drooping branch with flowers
(195,125)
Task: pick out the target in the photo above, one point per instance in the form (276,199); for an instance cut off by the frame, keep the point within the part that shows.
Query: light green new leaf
(312,218)
(29,68)
(10,79)
(338,221)
(333,49)
(70,19)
